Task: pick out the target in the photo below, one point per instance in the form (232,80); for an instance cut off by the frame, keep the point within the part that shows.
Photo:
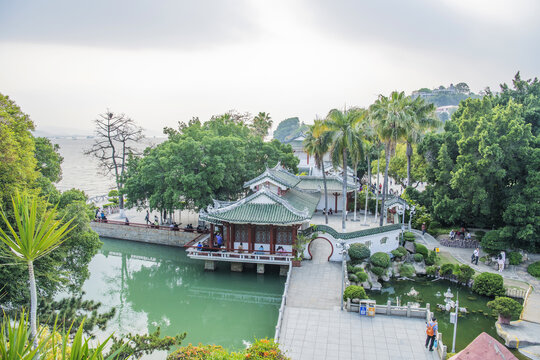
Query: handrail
(352,235)
(240,256)
(149,226)
(283,303)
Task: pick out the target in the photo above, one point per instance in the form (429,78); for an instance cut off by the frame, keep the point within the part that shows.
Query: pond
(478,319)
(158,286)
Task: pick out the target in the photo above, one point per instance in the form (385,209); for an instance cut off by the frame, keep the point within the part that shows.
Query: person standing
(219,239)
(476,254)
(147,217)
(423,228)
(431,332)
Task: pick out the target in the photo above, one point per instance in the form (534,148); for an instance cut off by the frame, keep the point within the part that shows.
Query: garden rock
(366,285)
(377,286)
(395,268)
(386,276)
(355,301)
(419,268)
(409,246)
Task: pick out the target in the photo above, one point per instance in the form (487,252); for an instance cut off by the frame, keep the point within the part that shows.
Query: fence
(516,293)
(283,303)
(352,235)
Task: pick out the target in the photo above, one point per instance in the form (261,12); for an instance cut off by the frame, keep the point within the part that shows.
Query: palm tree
(33,236)
(392,116)
(341,125)
(357,151)
(370,144)
(261,124)
(423,119)
(317,143)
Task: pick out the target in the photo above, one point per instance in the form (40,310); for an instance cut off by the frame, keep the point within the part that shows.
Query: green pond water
(470,325)
(158,286)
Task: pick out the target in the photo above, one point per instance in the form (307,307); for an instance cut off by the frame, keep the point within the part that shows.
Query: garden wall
(143,234)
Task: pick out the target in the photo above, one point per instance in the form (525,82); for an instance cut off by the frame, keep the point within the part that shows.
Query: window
(368,243)
(262,234)
(241,233)
(383,240)
(284,236)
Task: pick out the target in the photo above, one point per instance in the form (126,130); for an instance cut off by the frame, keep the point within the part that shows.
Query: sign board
(371,311)
(363,310)
(453,317)
(437,250)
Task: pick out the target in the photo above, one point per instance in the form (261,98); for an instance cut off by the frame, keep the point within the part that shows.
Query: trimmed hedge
(377,270)
(447,269)
(489,284)
(354,292)
(406,270)
(359,251)
(421,249)
(506,307)
(409,236)
(492,242)
(400,252)
(431,270)
(418,257)
(465,273)
(534,269)
(515,258)
(380,259)
(431,258)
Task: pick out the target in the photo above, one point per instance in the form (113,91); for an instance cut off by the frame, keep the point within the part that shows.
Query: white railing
(283,303)
(240,257)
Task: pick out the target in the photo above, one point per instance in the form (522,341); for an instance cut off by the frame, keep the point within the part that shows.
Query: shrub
(362,277)
(418,257)
(402,250)
(350,268)
(421,249)
(505,307)
(354,292)
(515,258)
(380,259)
(359,251)
(492,242)
(406,270)
(396,253)
(431,258)
(353,277)
(431,270)
(260,349)
(409,236)
(465,273)
(489,284)
(479,235)
(192,352)
(266,349)
(377,270)
(434,226)
(534,269)
(447,269)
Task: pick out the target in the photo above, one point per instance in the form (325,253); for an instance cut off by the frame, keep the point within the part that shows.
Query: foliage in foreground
(380,259)
(359,251)
(506,307)
(261,349)
(534,269)
(489,284)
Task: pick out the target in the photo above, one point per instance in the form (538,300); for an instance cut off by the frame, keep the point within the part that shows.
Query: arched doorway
(320,250)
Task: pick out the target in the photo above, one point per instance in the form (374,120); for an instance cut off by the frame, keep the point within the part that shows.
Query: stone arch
(323,238)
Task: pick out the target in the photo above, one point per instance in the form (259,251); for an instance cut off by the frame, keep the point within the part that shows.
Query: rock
(395,269)
(353,277)
(376,286)
(409,246)
(386,276)
(366,285)
(419,268)
(355,301)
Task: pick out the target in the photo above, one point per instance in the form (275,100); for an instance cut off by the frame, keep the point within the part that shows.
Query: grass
(446,258)
(440,231)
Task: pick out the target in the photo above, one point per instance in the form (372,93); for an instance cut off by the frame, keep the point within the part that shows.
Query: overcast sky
(162,62)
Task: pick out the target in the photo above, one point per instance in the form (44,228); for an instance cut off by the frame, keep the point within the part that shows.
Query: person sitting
(240,248)
(452,234)
(468,236)
(175,227)
(156,224)
(126,222)
(330,212)
(280,250)
(260,251)
(199,246)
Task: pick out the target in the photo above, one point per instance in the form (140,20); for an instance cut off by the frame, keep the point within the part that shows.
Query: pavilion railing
(283,303)
(257,255)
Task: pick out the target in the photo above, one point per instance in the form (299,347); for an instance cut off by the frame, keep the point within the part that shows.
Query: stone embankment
(143,233)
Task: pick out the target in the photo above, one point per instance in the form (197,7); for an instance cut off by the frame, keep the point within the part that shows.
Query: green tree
(391,115)
(48,159)
(289,128)
(261,124)
(317,143)
(32,237)
(342,128)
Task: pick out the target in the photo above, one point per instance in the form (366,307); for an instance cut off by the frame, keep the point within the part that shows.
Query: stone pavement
(314,327)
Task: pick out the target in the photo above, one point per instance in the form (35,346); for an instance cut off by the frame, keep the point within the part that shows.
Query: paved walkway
(519,273)
(314,327)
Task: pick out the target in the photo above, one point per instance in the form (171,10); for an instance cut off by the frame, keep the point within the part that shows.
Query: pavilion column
(251,228)
(228,239)
(212,235)
(293,229)
(272,239)
(335,206)
(232,236)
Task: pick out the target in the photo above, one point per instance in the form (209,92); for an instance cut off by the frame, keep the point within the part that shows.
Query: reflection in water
(155,286)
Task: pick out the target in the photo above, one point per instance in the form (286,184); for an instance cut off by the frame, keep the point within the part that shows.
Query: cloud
(128,23)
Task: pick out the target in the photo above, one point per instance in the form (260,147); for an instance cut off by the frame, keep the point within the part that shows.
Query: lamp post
(455,323)
(343,246)
(411,213)
(401,211)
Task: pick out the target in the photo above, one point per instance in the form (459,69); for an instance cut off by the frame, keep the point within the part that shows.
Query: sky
(161,62)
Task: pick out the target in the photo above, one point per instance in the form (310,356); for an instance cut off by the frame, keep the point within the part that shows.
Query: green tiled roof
(314,182)
(293,208)
(279,175)
(352,235)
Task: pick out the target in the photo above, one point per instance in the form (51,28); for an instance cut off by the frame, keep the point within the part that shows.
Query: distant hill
(446,96)
(289,128)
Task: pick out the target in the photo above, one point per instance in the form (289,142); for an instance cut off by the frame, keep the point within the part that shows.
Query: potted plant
(506,308)
(299,247)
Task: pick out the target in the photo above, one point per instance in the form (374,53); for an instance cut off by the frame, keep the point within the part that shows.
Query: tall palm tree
(262,122)
(370,139)
(34,235)
(391,115)
(317,144)
(341,125)
(357,153)
(424,118)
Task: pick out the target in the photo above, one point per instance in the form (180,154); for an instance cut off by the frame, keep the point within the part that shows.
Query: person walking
(147,217)
(423,228)
(476,254)
(431,332)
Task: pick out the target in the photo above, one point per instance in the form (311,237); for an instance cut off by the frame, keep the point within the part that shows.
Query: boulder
(395,268)
(409,246)
(419,268)
(387,275)
(366,285)
(355,301)
(377,286)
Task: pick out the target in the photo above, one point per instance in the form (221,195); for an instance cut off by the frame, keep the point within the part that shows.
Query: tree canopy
(200,162)
(289,128)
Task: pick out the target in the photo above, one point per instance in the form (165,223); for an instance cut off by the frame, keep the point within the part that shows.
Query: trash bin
(367,307)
